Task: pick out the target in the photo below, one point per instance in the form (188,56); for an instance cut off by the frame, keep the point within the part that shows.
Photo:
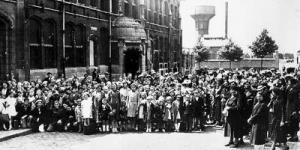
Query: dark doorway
(131,61)
(3,48)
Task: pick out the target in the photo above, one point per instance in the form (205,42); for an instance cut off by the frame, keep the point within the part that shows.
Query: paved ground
(210,140)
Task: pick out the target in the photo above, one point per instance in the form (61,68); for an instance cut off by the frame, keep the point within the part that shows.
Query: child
(188,117)
(87,112)
(132,106)
(105,109)
(168,115)
(11,103)
(148,113)
(176,113)
(78,116)
(141,109)
(259,122)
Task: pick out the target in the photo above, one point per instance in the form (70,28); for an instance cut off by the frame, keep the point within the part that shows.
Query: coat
(277,132)
(115,102)
(259,122)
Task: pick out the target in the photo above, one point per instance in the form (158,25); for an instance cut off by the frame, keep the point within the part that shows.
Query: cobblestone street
(210,140)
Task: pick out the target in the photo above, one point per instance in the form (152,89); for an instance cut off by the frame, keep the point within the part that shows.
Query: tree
(263,45)
(202,54)
(231,52)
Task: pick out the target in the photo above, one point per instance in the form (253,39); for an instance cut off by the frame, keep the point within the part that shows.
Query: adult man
(232,106)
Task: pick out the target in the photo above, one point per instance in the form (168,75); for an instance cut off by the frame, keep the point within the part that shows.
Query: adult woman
(259,122)
(276,106)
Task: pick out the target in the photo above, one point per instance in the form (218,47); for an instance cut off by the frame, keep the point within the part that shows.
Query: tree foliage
(202,53)
(263,45)
(232,52)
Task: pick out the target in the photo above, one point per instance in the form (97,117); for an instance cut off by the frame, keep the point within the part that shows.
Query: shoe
(241,142)
(234,146)
(230,143)
(293,139)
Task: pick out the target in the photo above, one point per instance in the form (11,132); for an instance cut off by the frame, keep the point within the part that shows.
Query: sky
(247,19)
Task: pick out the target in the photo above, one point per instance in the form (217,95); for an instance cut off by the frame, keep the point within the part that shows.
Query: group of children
(155,103)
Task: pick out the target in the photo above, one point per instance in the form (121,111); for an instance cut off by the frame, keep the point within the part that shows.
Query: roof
(128,29)
(214,41)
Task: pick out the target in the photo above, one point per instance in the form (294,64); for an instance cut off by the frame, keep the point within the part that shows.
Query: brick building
(71,36)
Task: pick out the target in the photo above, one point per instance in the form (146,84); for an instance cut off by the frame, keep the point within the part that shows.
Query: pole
(226,19)
(63,38)
(109,45)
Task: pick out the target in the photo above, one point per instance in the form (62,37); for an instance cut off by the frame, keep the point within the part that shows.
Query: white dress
(86,108)
(132,104)
(11,103)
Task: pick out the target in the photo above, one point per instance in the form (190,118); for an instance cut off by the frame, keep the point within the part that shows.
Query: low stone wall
(79,71)
(246,63)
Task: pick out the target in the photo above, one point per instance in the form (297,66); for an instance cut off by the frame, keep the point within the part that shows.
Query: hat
(260,87)
(38,100)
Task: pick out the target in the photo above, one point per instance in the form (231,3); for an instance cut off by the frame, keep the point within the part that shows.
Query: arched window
(49,37)
(103,52)
(42,44)
(75,45)
(69,36)
(80,53)
(35,44)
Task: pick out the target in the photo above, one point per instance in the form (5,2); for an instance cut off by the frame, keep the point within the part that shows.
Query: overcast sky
(247,18)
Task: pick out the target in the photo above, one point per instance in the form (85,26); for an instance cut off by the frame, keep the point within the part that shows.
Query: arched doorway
(3,48)
(132,61)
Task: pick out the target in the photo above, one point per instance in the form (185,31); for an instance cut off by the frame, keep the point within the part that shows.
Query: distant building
(145,34)
(214,45)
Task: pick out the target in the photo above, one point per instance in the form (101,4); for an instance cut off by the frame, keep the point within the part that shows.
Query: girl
(87,112)
(148,113)
(105,110)
(132,104)
(11,103)
(141,109)
(259,122)
(175,113)
(115,101)
(168,115)
(78,116)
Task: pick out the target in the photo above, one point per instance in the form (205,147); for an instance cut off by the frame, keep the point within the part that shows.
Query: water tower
(202,16)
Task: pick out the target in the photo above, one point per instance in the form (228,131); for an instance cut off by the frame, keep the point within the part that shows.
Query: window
(49,48)
(126,12)
(93,3)
(135,12)
(35,44)
(75,46)
(81,1)
(42,44)
(104,5)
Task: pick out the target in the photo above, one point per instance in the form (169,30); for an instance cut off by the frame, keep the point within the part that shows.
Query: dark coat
(259,122)
(277,132)
(234,117)
(115,103)
(198,106)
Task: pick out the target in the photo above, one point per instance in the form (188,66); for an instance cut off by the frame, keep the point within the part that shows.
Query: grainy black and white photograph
(149,74)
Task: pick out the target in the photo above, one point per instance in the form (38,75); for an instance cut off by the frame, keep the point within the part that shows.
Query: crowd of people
(262,105)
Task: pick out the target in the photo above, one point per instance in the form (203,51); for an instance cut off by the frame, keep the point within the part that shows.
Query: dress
(11,103)
(259,121)
(175,111)
(132,104)
(278,132)
(86,108)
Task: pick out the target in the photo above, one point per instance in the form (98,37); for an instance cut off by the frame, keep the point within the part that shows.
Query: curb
(15,135)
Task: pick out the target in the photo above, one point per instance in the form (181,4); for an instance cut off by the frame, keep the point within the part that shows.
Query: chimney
(226,20)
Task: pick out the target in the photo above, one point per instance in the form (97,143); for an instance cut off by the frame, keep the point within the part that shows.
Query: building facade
(72,36)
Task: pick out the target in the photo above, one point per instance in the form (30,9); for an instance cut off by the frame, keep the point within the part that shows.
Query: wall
(246,63)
